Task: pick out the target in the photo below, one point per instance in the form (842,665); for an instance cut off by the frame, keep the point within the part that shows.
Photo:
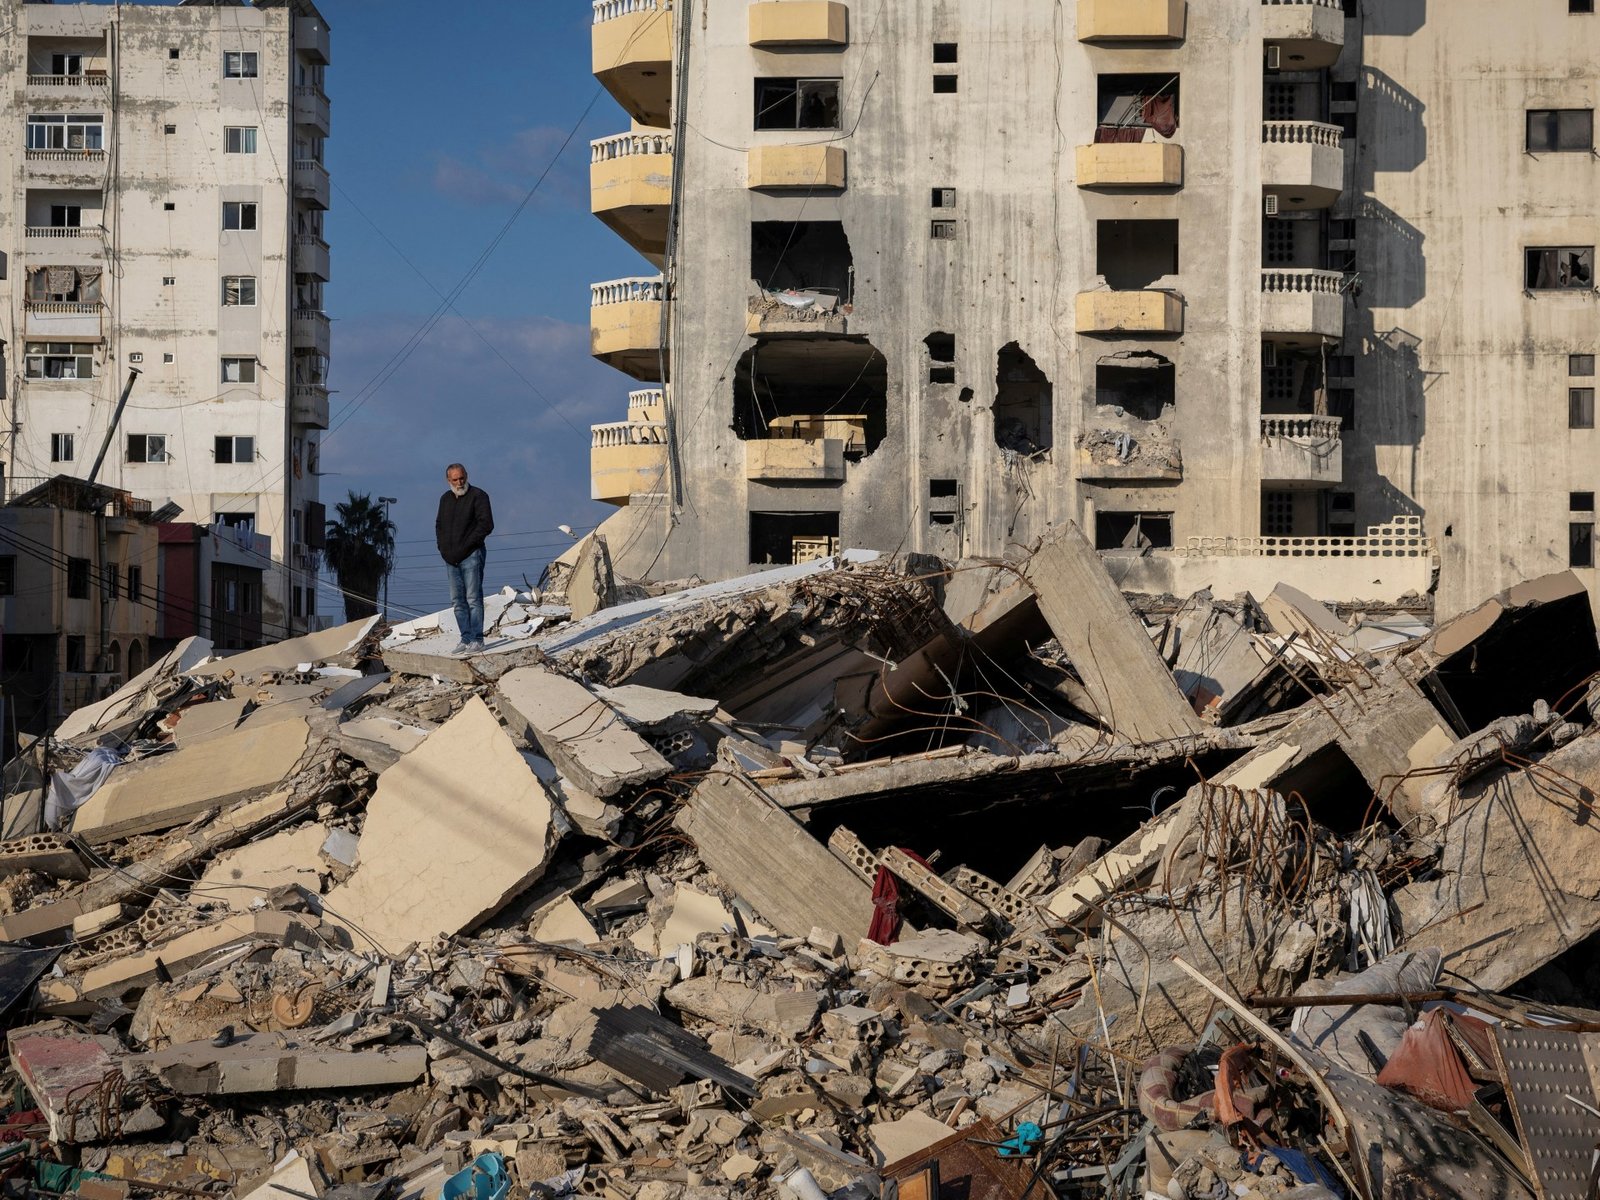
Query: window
(944,52)
(58,360)
(239,139)
(8,574)
(110,580)
(1342,404)
(1580,364)
(1279,102)
(1570,129)
(169,206)
(1556,268)
(797,104)
(234,520)
(239,64)
(238,291)
(77,652)
(1277,514)
(1580,502)
(1278,242)
(1580,408)
(944,197)
(1580,6)
(943,85)
(1346,121)
(238,214)
(942,353)
(1342,514)
(944,231)
(235,449)
(1342,91)
(1131,530)
(135,584)
(66,216)
(169,129)
(238,370)
(59,284)
(1580,544)
(1341,229)
(168,280)
(61,447)
(147,447)
(172,52)
(1341,366)
(72,131)
(939,489)
(299,601)
(66,64)
(168,356)
(77,578)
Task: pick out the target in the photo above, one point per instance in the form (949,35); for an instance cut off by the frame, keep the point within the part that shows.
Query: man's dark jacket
(463,524)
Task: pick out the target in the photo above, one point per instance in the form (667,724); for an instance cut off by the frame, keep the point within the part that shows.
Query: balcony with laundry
(1136,122)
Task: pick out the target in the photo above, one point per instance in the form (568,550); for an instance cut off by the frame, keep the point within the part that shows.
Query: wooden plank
(767,857)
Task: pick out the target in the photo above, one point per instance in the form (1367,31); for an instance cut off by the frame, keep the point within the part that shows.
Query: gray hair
(455,467)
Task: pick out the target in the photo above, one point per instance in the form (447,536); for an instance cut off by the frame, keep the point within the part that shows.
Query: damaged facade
(1158,269)
(853,878)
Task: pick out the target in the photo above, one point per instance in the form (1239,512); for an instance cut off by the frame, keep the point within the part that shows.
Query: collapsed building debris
(868,875)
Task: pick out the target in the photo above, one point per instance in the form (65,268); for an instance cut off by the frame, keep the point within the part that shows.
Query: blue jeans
(466,594)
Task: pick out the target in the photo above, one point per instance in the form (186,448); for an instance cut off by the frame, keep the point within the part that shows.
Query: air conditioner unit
(1270,207)
(1274,58)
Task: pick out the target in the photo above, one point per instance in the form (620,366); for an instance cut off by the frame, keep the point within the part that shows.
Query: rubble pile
(864,877)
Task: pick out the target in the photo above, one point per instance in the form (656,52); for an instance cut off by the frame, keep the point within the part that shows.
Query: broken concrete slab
(244,876)
(121,975)
(456,828)
(564,921)
(766,857)
(654,711)
(579,732)
(132,697)
(734,1006)
(379,742)
(1134,693)
(591,584)
(197,721)
(66,1073)
(911,1134)
(167,790)
(311,648)
(273,1063)
(45,853)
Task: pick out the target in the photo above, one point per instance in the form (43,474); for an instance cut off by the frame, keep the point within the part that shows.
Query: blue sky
(438,133)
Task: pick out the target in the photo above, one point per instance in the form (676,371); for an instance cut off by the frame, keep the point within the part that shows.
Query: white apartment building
(162,212)
(1252,290)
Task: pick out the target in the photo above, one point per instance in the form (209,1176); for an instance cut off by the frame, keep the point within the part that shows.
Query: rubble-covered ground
(870,877)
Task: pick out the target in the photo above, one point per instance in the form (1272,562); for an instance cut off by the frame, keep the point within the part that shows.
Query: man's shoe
(475,647)
(459,648)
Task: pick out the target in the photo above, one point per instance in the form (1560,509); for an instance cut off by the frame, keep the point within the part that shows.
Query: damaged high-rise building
(1256,291)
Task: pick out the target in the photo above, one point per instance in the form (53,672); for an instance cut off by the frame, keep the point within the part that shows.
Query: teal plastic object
(1027,1140)
(484,1179)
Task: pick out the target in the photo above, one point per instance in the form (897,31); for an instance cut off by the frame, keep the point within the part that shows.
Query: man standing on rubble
(464,523)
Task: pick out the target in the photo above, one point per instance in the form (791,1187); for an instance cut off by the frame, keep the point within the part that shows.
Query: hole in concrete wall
(1140,383)
(827,387)
(1332,789)
(942,518)
(941,349)
(1292,380)
(944,84)
(941,374)
(1134,254)
(965,396)
(782,538)
(939,488)
(1128,105)
(1132,530)
(945,52)
(803,255)
(1023,419)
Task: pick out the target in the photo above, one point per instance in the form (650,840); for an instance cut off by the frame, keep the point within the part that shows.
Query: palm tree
(360,550)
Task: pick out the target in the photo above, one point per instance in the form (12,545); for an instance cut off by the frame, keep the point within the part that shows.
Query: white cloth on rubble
(69,790)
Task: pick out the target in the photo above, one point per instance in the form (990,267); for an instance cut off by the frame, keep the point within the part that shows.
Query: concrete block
(265,1063)
(579,732)
(188,950)
(241,877)
(65,1073)
(47,853)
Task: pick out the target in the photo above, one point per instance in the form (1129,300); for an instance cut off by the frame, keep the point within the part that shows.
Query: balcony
(1118,456)
(631,53)
(1130,165)
(1301,306)
(311,182)
(311,39)
(794,460)
(87,86)
(64,243)
(626,457)
(1132,312)
(309,405)
(1300,451)
(311,108)
(311,331)
(63,320)
(630,188)
(1130,20)
(82,167)
(795,168)
(1308,34)
(311,256)
(647,404)
(625,317)
(820,23)
(848,429)
(1302,163)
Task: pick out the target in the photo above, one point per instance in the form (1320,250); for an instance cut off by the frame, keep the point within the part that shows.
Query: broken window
(940,488)
(1141,384)
(77,578)
(1580,544)
(941,350)
(1023,403)
(944,197)
(238,291)
(229,449)
(785,537)
(797,104)
(58,360)
(147,447)
(812,388)
(1131,105)
(1132,530)
(1580,408)
(239,64)
(1554,268)
(1580,364)
(802,256)
(1560,129)
(1134,254)
(238,214)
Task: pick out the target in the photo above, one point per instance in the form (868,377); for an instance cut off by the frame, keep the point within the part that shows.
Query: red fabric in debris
(885,925)
(1161,114)
(1478,1037)
(1428,1067)
(1119,133)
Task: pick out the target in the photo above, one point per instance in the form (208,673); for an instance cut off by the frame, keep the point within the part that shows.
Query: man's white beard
(460,489)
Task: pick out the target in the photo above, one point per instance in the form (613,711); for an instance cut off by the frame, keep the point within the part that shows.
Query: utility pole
(388,558)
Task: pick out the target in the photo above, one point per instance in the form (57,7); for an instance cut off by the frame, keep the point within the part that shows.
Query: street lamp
(388,559)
